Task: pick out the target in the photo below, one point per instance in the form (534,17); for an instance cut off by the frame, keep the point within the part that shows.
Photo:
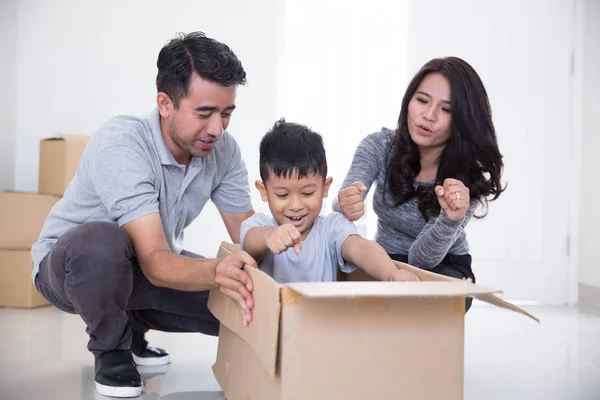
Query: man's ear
(164,104)
(326,186)
(262,189)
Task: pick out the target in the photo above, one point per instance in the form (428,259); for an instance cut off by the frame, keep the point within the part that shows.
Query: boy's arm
(255,241)
(372,258)
(260,235)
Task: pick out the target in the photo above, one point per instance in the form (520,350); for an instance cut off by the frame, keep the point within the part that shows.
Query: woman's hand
(454,198)
(351,201)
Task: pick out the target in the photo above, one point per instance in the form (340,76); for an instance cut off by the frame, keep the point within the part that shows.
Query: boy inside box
(296,243)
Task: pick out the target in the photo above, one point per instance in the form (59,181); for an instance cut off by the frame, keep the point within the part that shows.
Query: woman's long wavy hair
(472,153)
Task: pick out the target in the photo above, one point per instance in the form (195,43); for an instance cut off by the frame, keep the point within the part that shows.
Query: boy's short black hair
(290,147)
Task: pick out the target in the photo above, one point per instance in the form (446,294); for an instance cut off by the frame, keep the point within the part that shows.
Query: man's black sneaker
(143,354)
(116,375)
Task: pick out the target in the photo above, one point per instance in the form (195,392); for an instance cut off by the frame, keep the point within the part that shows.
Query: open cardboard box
(346,340)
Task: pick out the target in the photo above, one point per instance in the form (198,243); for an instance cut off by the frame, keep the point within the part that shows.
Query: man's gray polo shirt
(127,171)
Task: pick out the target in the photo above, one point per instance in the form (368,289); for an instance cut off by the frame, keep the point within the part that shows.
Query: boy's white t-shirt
(321,252)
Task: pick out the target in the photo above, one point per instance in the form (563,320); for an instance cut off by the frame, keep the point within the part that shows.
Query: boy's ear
(326,186)
(262,189)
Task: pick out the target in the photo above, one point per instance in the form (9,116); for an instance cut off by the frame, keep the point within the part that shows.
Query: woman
(431,174)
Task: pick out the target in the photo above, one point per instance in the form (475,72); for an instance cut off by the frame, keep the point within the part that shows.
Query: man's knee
(99,251)
(97,240)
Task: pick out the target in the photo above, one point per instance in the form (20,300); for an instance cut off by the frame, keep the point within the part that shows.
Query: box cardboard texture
(346,340)
(59,157)
(22,216)
(16,287)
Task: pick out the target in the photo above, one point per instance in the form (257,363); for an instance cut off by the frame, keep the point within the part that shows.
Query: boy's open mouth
(296,219)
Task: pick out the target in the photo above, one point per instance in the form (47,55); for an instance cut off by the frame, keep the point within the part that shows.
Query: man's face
(295,201)
(202,116)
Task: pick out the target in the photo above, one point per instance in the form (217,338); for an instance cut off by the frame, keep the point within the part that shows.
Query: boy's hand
(404,276)
(284,237)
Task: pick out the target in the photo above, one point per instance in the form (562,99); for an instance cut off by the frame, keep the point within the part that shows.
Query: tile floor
(43,356)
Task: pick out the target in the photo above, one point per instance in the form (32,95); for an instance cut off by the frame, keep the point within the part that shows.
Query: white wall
(80,63)
(589,250)
(343,74)
(8,83)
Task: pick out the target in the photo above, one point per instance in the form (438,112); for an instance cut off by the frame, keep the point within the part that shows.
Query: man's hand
(284,237)
(236,283)
(404,276)
(351,201)
(454,198)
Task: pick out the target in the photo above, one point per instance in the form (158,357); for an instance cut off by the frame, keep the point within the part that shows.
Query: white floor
(43,356)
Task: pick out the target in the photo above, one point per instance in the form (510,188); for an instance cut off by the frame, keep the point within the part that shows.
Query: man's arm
(161,266)
(167,269)
(232,195)
(372,258)
(233,222)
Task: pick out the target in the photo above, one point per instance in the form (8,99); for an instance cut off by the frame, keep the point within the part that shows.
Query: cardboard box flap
(69,138)
(487,297)
(263,332)
(226,249)
(322,290)
(497,301)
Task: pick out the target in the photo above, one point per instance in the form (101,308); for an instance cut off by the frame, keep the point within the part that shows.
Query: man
(110,249)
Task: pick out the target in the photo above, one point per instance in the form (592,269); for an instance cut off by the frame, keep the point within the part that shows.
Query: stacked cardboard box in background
(22,216)
(59,157)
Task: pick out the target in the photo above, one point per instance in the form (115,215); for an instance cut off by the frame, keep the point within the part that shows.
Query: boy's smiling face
(294,200)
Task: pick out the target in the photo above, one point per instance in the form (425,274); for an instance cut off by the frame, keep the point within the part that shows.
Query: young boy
(295,244)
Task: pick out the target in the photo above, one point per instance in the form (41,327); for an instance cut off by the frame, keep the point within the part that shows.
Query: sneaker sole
(151,361)
(115,391)
(153,370)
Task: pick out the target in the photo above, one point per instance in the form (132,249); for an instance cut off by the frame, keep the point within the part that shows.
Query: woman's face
(429,113)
